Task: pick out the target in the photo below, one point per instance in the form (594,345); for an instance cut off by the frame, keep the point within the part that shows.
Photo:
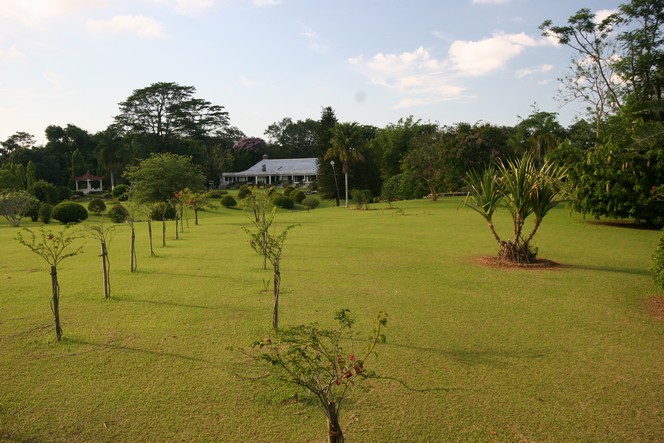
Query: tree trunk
(105,266)
(132,253)
(334,433)
(277,284)
(152,254)
(163,232)
(346,184)
(55,302)
(176,225)
(196,216)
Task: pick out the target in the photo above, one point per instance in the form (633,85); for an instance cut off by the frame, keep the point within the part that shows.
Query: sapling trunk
(163,232)
(177,237)
(152,254)
(55,301)
(133,264)
(334,432)
(196,216)
(277,283)
(105,266)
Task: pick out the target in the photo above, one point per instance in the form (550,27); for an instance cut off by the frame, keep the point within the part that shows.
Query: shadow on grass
(478,357)
(611,269)
(164,303)
(114,347)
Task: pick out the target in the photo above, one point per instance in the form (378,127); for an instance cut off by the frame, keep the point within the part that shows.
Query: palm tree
(346,140)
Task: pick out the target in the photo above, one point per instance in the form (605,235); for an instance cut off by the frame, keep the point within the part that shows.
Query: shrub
(311,202)
(121,192)
(14,205)
(162,211)
(288,190)
(362,198)
(45,213)
(217,194)
(97,206)
(63,192)
(657,264)
(45,192)
(69,212)
(244,191)
(33,210)
(297,195)
(284,202)
(118,214)
(228,201)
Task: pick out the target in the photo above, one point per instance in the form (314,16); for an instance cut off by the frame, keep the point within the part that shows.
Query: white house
(267,171)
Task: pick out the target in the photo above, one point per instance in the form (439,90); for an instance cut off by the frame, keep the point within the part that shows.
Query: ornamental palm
(346,139)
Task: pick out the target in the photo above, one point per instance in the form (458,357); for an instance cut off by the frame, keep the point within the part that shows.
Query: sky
(373,61)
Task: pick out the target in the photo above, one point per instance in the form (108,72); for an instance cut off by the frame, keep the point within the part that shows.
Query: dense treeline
(614,152)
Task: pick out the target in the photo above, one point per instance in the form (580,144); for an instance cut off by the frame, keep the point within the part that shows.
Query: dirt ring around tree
(495,262)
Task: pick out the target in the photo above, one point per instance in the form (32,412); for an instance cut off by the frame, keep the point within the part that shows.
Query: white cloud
(139,25)
(416,77)
(527,72)
(604,13)
(53,78)
(32,12)
(11,53)
(492,2)
(264,3)
(475,58)
(314,42)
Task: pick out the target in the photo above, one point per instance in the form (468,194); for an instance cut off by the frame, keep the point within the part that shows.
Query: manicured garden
(473,352)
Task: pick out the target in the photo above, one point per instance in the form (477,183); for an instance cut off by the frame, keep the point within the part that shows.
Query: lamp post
(336,185)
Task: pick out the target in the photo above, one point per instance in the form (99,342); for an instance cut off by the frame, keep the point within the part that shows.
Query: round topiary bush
(33,210)
(311,202)
(118,214)
(243,192)
(121,192)
(96,206)
(45,213)
(228,201)
(297,195)
(69,212)
(217,193)
(284,202)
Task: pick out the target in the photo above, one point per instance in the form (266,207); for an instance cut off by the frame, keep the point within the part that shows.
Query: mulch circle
(495,262)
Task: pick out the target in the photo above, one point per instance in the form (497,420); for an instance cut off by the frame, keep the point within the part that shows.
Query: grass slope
(565,354)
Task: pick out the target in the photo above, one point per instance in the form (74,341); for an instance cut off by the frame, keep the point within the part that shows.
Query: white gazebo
(89,180)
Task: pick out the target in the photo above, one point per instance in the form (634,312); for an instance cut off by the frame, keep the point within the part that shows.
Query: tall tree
(328,177)
(289,139)
(347,142)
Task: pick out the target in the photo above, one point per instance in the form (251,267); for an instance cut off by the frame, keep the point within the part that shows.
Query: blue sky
(372,61)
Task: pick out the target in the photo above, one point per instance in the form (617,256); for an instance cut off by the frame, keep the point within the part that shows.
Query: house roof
(285,166)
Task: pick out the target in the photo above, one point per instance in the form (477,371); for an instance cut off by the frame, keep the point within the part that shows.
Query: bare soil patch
(655,306)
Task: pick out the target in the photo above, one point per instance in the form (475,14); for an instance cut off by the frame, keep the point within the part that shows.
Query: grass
(487,354)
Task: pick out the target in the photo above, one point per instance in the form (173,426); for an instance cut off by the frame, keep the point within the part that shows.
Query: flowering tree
(323,362)
(51,247)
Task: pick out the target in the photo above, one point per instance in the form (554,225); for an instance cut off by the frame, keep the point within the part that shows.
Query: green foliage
(243,192)
(311,202)
(121,192)
(14,205)
(69,212)
(45,213)
(283,202)
(362,198)
(657,262)
(63,192)
(217,193)
(162,211)
(45,192)
(33,210)
(228,201)
(96,206)
(118,214)
(288,190)
(522,189)
(12,177)
(324,362)
(298,196)
(159,177)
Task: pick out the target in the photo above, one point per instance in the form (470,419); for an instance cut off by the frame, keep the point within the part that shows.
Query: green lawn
(564,354)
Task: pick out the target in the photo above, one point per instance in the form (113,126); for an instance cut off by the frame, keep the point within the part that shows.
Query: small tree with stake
(104,236)
(51,247)
(322,362)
